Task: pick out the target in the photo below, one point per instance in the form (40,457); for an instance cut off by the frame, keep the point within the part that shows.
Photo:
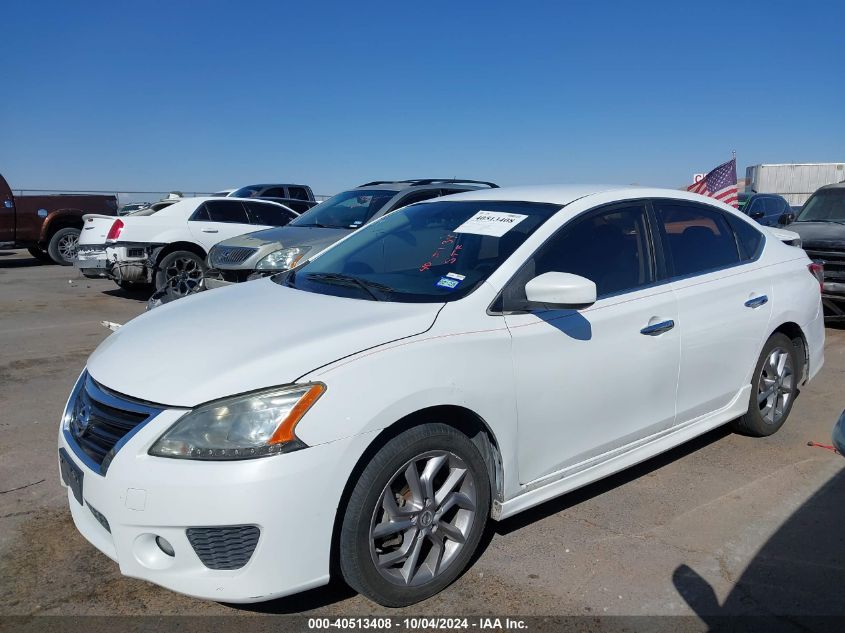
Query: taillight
(817,270)
(114,231)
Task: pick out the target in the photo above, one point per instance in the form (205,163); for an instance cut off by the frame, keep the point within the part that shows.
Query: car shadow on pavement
(141,295)
(17,262)
(795,582)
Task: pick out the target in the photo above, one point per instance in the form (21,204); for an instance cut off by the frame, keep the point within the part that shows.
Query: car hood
(819,231)
(314,238)
(245,337)
(287,236)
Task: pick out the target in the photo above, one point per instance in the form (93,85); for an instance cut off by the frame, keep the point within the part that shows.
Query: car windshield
(425,253)
(246,192)
(347,210)
(827,205)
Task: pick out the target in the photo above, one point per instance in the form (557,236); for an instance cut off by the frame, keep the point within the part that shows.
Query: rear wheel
(40,254)
(63,246)
(415,516)
(180,273)
(775,385)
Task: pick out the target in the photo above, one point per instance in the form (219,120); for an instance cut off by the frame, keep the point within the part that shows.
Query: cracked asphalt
(724,525)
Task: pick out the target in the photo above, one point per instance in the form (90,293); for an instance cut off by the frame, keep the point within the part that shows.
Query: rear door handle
(210,231)
(756,302)
(658,328)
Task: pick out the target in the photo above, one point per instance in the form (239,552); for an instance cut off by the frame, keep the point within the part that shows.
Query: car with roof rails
(268,252)
(821,225)
(459,360)
(168,249)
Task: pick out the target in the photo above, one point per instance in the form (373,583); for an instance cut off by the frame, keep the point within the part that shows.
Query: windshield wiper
(340,278)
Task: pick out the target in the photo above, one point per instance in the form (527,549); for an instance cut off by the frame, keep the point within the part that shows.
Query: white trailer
(794,181)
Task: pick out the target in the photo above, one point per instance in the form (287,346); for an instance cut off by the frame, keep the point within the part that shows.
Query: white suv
(458,360)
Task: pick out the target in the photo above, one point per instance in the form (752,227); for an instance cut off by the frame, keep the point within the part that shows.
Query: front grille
(100,518)
(100,422)
(227,547)
(231,255)
(834,261)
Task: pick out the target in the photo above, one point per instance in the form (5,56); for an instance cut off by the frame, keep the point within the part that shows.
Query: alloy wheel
(183,276)
(774,387)
(423,518)
(68,246)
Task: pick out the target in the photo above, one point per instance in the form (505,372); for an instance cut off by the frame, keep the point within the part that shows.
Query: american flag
(719,183)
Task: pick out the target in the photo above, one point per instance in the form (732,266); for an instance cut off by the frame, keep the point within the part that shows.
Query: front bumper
(292,498)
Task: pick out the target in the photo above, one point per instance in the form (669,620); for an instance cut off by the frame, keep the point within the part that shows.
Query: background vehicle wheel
(180,273)
(39,254)
(415,516)
(63,246)
(774,387)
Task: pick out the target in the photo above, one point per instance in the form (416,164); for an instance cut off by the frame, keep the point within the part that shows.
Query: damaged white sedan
(168,249)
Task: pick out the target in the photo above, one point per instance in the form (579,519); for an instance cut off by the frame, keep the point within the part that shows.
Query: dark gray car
(275,250)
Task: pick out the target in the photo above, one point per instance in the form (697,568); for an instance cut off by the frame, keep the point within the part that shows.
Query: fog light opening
(165,546)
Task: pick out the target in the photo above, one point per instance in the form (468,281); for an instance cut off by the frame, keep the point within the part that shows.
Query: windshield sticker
(446,282)
(492,223)
(447,249)
(456,276)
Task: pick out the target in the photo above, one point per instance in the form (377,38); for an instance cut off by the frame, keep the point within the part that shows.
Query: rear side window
(697,239)
(200,215)
(298,193)
(274,192)
(749,239)
(268,214)
(227,211)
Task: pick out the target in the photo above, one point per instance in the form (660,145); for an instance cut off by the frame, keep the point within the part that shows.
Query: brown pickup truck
(48,226)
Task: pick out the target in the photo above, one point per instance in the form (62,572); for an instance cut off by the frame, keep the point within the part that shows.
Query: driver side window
(609,246)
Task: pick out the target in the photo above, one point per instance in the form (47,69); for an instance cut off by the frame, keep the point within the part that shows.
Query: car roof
(836,185)
(565,194)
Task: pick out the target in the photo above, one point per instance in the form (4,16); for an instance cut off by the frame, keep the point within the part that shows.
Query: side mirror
(561,290)
(756,215)
(787,218)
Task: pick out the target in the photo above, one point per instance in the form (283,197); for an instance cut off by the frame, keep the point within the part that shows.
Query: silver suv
(275,250)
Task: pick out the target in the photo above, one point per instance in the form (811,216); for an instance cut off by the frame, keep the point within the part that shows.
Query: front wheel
(774,387)
(415,516)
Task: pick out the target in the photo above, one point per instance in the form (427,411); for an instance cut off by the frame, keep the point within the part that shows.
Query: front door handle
(210,231)
(756,302)
(658,328)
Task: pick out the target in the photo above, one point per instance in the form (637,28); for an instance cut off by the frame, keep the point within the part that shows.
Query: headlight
(254,425)
(283,259)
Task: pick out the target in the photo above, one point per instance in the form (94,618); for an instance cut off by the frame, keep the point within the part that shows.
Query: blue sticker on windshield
(450,283)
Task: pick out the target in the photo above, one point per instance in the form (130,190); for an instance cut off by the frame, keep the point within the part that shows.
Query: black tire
(63,245)
(40,254)
(178,284)
(357,551)
(759,421)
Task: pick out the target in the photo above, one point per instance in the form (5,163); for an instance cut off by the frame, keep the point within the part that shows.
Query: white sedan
(168,249)
(459,360)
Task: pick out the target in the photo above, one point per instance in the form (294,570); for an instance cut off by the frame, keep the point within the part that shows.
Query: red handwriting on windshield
(447,250)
